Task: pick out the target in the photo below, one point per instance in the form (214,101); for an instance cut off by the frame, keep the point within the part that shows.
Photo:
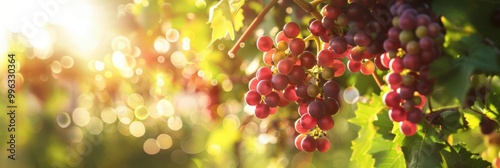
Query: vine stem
(308,8)
(252,26)
(377,79)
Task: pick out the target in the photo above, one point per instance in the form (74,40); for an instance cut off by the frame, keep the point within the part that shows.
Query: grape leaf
(225,18)
(421,151)
(392,157)
(384,125)
(465,13)
(365,115)
(451,121)
(460,157)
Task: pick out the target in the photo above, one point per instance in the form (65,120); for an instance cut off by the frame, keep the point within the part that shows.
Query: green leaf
(455,81)
(365,115)
(384,125)
(451,121)
(458,156)
(421,151)
(225,18)
(470,13)
(390,158)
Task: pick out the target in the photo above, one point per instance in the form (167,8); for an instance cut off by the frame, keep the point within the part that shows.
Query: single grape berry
(487,125)
(316,109)
(323,144)
(408,128)
(308,144)
(291,29)
(298,141)
(262,111)
(325,123)
(252,98)
(264,43)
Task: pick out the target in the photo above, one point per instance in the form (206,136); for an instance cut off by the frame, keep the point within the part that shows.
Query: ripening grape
(325,58)
(264,87)
(396,65)
(391,99)
(307,121)
(264,43)
(353,66)
(308,144)
(397,114)
(252,98)
(298,141)
(367,68)
(291,29)
(322,144)
(297,46)
(279,81)
(339,68)
(272,99)
(299,128)
(312,90)
(285,66)
(264,73)
(289,94)
(408,128)
(325,122)
(307,59)
(252,85)
(327,73)
(316,28)
(262,111)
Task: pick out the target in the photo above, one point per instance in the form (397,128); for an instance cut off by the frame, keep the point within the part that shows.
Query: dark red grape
(308,144)
(252,98)
(325,58)
(316,109)
(414,115)
(323,144)
(291,29)
(307,121)
(325,122)
(408,128)
(262,111)
(272,99)
(331,89)
(307,59)
(338,45)
(397,114)
(391,99)
(264,87)
(279,81)
(289,94)
(297,75)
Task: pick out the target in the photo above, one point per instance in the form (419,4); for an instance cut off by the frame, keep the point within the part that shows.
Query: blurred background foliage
(136,84)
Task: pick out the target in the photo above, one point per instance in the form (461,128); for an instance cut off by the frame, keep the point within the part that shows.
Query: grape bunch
(367,35)
(414,41)
(294,74)
(356,30)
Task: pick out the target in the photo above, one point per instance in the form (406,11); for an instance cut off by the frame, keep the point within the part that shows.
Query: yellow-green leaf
(225,18)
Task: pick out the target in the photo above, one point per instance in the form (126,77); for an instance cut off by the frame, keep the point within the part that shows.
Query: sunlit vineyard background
(136,84)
